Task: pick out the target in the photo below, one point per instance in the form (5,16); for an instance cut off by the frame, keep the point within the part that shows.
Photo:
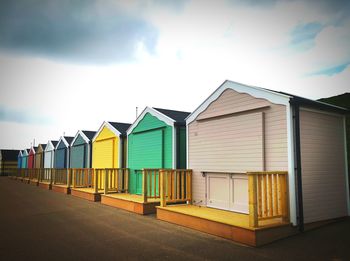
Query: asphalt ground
(38,224)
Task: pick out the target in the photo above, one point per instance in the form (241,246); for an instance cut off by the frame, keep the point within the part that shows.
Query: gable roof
(25,152)
(53,143)
(67,140)
(276,97)
(178,116)
(118,128)
(33,149)
(170,117)
(89,134)
(43,146)
(9,155)
(86,135)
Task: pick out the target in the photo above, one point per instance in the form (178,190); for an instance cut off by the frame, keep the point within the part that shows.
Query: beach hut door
(228,192)
(218,191)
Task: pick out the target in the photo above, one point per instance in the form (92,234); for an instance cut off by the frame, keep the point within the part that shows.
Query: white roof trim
(81,133)
(109,126)
(48,145)
(64,141)
(32,149)
(274,97)
(25,152)
(20,153)
(153,112)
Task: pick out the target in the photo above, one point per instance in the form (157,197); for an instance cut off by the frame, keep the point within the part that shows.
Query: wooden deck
(61,188)
(45,185)
(226,224)
(34,182)
(86,193)
(131,202)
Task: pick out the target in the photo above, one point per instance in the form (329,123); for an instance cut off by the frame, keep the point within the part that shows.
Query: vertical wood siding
(60,158)
(78,157)
(48,159)
(31,160)
(236,133)
(323,166)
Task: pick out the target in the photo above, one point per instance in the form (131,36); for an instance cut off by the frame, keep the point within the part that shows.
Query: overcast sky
(69,65)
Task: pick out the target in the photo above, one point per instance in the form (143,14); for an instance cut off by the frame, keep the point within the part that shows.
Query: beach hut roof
(86,135)
(177,116)
(170,117)
(258,92)
(9,155)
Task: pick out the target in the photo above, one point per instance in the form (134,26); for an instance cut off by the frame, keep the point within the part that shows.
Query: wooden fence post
(69,177)
(96,181)
(253,208)
(162,188)
(285,212)
(189,186)
(106,181)
(126,188)
(144,185)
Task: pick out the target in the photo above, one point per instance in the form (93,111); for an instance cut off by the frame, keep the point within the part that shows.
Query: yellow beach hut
(108,145)
(108,152)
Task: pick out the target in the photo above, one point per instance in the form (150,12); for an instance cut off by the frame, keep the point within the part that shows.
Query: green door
(146,151)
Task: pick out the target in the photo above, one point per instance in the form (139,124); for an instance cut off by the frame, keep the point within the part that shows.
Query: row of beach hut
(249,164)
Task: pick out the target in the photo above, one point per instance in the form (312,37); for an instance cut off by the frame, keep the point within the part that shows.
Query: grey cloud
(22,116)
(340,8)
(177,5)
(89,31)
(303,35)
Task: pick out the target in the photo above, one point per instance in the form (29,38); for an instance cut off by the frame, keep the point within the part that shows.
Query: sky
(70,65)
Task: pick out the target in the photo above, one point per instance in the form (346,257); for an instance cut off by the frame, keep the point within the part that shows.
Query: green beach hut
(157,139)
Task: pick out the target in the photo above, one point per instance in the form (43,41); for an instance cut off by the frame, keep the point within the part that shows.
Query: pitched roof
(121,127)
(43,146)
(178,116)
(317,104)
(271,95)
(10,155)
(68,139)
(54,142)
(89,134)
(342,100)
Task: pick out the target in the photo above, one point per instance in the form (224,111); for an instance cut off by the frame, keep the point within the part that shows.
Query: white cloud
(198,48)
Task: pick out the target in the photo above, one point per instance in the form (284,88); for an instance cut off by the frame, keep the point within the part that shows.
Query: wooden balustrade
(46,175)
(268,196)
(175,186)
(82,178)
(60,176)
(150,184)
(116,180)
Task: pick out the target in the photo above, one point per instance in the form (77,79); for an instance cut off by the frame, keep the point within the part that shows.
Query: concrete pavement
(38,224)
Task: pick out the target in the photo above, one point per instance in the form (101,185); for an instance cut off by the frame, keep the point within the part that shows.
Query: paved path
(38,224)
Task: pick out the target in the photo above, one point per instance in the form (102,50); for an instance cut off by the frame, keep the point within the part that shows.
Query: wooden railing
(60,176)
(116,180)
(34,174)
(150,184)
(46,175)
(88,178)
(82,178)
(25,174)
(268,196)
(175,186)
